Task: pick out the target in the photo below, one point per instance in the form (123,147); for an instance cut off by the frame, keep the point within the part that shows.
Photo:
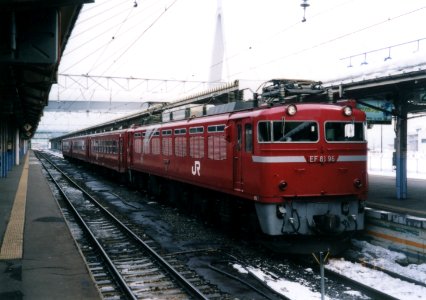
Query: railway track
(122,264)
(257,276)
(375,281)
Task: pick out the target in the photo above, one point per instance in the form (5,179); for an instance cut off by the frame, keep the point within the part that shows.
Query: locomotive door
(237,156)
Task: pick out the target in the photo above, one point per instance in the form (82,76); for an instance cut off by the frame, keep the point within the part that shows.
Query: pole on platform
(17,148)
(401,152)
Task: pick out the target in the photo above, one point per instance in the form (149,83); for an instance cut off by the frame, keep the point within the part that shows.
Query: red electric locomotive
(303,166)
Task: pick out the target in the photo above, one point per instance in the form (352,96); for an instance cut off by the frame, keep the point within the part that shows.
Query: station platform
(382,195)
(38,256)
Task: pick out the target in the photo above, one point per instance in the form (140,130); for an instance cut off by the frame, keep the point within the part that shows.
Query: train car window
(137,135)
(344,132)
(248,131)
(295,131)
(264,131)
(194,130)
(66,145)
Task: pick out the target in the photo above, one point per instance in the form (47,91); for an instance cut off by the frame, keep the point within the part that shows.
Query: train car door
(129,149)
(237,156)
(120,153)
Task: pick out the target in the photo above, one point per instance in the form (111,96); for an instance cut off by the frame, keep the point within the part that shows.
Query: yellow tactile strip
(14,236)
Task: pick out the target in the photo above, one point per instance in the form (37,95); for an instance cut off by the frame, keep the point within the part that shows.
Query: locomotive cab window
(287,131)
(344,132)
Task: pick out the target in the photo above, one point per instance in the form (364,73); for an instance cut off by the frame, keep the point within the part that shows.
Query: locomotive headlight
(347,111)
(358,183)
(345,208)
(291,109)
(281,211)
(282,185)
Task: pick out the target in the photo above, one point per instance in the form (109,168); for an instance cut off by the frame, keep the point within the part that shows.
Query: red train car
(108,150)
(76,148)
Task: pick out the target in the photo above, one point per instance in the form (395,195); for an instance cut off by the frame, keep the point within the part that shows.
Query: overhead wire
(102,22)
(141,35)
(106,30)
(105,44)
(112,39)
(81,21)
(331,40)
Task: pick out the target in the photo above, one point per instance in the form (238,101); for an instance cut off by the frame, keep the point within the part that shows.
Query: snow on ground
(290,289)
(375,255)
(385,259)
(53,152)
(388,260)
(379,280)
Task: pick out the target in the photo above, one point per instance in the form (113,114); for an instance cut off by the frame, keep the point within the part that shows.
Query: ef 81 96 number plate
(321,158)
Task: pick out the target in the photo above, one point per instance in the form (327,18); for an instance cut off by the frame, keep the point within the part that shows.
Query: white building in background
(381,145)
(421,138)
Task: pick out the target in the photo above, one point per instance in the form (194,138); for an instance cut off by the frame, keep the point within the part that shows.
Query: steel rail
(370,291)
(169,268)
(116,274)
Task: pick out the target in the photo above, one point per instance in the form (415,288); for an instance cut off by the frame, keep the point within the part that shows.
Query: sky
(174,40)
(166,47)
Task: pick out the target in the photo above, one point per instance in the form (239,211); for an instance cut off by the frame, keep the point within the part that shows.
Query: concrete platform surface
(51,266)
(382,195)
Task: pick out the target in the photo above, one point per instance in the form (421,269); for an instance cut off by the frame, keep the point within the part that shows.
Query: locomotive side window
(216,128)
(167,146)
(248,138)
(137,145)
(166,132)
(155,143)
(196,142)
(145,144)
(195,130)
(180,146)
(264,131)
(344,132)
(180,131)
(216,142)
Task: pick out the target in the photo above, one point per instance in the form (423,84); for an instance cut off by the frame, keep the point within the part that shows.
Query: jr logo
(196,168)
